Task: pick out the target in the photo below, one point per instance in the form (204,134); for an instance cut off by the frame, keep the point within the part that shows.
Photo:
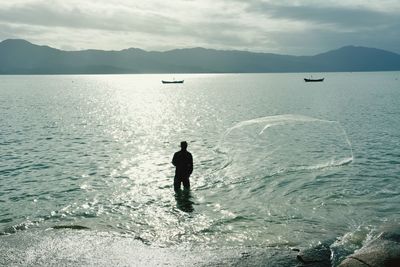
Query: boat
(180,81)
(314,80)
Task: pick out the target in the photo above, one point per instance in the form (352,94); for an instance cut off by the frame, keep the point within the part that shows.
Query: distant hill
(22,57)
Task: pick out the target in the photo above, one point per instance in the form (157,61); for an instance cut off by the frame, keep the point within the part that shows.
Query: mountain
(23,57)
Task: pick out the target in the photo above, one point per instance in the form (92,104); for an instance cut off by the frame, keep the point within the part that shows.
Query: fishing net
(275,144)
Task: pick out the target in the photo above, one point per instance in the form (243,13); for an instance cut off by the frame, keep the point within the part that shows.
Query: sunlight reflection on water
(96,151)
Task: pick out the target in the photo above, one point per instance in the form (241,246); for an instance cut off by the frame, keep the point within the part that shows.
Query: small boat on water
(180,81)
(313,80)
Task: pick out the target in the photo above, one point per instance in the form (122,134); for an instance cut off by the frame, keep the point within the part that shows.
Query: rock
(74,227)
(318,256)
(383,251)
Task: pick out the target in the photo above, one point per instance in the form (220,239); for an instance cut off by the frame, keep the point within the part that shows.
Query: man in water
(183,162)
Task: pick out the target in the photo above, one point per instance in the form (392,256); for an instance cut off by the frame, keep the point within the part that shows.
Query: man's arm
(174,160)
(190,163)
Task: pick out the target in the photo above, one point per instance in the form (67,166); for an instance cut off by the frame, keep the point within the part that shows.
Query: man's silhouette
(183,162)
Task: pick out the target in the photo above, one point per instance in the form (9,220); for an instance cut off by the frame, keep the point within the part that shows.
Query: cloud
(256,25)
(101,18)
(343,18)
(331,24)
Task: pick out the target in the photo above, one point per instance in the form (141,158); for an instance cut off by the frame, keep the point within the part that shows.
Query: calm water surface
(278,162)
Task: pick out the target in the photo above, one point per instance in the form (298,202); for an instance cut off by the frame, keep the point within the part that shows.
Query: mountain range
(22,57)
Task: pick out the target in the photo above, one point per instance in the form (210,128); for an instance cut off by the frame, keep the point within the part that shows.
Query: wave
(17,227)
(329,164)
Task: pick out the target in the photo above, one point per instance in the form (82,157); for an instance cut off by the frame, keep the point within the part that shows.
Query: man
(183,162)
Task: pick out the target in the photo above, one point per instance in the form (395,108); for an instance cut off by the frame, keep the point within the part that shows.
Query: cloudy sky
(299,27)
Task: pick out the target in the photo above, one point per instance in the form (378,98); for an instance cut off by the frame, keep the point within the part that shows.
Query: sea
(278,162)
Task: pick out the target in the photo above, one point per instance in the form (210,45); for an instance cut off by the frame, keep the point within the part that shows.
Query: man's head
(184,145)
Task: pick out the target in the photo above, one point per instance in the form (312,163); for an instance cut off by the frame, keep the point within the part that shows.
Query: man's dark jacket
(183,161)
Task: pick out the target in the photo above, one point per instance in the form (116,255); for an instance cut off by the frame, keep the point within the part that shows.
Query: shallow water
(278,162)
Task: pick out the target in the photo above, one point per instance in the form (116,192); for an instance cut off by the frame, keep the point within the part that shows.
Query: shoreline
(82,247)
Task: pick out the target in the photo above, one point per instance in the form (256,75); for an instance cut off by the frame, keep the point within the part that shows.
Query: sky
(296,27)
